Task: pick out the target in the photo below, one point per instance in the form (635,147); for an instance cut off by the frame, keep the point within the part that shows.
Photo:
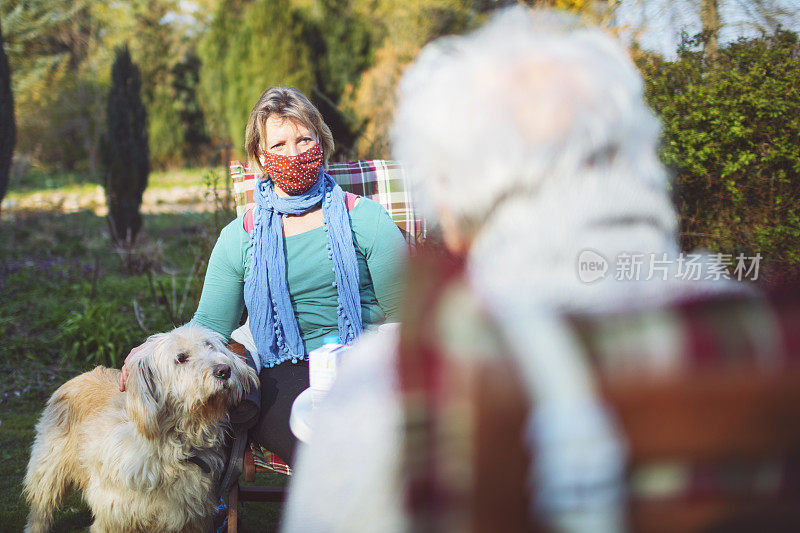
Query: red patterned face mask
(294,174)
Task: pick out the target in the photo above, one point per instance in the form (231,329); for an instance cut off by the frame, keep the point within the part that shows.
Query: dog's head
(186,378)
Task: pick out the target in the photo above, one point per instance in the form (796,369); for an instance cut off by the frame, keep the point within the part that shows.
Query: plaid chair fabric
(712,335)
(382,181)
(703,335)
(267,461)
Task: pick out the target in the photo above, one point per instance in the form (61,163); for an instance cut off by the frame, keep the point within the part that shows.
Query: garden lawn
(67,303)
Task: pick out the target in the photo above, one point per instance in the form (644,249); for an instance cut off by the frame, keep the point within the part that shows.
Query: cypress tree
(124,150)
(8,130)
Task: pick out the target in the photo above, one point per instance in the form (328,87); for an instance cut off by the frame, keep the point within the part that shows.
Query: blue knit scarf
(266,290)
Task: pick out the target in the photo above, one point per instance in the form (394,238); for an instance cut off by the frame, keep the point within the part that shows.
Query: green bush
(74,111)
(98,334)
(731,137)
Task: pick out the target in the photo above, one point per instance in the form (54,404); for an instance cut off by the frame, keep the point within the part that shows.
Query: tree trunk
(709,18)
(7,126)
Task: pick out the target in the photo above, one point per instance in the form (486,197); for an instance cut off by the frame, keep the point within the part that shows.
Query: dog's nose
(222,371)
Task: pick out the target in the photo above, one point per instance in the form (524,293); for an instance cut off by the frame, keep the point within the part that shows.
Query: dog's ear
(145,400)
(243,368)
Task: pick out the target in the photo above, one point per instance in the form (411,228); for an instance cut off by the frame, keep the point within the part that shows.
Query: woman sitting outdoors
(309,261)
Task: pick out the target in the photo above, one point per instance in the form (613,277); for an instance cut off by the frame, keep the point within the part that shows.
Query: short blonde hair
(285,102)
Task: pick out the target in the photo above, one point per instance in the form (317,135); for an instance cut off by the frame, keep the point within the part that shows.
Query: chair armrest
(238,349)
(249,465)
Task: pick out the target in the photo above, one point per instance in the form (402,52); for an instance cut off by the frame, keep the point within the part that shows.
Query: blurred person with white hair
(531,142)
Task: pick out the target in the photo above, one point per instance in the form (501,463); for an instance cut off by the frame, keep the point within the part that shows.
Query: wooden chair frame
(706,418)
(243,493)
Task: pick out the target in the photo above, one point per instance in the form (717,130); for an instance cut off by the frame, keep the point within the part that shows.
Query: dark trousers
(280,385)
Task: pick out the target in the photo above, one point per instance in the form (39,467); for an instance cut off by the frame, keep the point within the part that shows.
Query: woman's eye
(182,357)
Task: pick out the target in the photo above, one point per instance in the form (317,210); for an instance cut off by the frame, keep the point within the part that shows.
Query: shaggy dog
(146,459)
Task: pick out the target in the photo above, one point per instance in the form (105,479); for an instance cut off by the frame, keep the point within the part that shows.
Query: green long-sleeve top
(380,250)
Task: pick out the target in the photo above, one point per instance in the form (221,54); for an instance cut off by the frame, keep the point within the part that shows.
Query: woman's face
(288,137)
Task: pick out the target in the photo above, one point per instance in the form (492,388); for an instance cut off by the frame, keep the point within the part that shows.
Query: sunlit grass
(184,177)
(36,182)
(66,197)
(71,192)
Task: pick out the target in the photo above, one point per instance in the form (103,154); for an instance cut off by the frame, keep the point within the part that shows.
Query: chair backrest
(734,439)
(713,440)
(382,181)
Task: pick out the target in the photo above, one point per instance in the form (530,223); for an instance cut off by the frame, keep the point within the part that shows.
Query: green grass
(55,264)
(52,187)
(258,516)
(63,292)
(38,181)
(187,177)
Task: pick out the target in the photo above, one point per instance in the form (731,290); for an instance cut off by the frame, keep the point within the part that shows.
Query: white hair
(534,133)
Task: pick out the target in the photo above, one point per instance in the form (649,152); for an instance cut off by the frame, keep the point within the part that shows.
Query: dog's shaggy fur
(128,452)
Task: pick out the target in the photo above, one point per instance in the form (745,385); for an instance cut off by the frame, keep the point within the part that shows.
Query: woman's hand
(123,375)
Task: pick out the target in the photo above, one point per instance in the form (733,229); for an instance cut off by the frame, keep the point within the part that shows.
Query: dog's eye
(208,344)
(182,357)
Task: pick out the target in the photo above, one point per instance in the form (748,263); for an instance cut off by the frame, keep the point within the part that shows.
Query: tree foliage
(342,45)
(125,150)
(337,51)
(405,28)
(247,50)
(51,45)
(46,39)
(204,64)
(372,101)
(164,47)
(176,125)
(8,131)
(213,51)
(731,135)
(61,52)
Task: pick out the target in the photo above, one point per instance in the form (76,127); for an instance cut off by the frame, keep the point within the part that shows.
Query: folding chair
(382,181)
